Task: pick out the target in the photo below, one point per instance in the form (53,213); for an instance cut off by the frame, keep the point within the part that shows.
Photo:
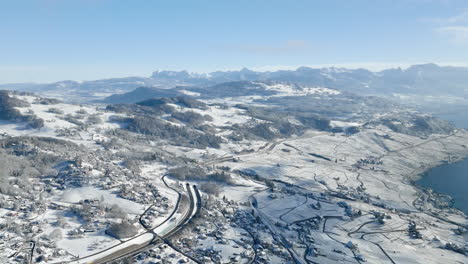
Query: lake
(451,179)
(458,119)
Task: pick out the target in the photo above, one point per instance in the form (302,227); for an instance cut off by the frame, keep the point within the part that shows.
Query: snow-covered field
(317,197)
(107,196)
(386,186)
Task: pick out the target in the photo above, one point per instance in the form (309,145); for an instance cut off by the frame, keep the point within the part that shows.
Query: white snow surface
(77,194)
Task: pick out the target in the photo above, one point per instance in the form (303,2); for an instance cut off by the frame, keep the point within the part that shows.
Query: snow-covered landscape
(234,132)
(238,179)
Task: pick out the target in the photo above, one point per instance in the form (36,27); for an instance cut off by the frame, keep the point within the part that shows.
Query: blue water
(451,179)
(459,119)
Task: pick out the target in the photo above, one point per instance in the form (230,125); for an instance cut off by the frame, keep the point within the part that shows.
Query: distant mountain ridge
(416,80)
(422,78)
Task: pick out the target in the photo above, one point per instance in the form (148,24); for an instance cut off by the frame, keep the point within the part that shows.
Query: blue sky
(51,40)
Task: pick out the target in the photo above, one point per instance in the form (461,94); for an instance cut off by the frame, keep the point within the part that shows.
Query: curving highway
(187,206)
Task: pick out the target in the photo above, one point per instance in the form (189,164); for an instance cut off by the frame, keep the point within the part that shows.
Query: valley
(269,174)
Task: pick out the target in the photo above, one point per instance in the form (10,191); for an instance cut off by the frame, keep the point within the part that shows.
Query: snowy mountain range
(417,79)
